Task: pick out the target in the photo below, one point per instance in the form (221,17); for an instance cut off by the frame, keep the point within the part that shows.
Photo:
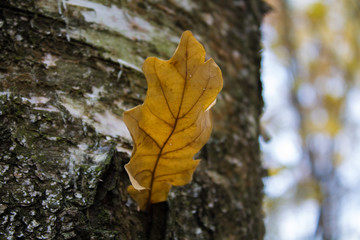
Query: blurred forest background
(311,139)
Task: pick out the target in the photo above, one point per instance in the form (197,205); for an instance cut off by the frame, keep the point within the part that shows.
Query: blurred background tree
(311,76)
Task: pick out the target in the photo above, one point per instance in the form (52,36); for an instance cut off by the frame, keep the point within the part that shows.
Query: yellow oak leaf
(173,123)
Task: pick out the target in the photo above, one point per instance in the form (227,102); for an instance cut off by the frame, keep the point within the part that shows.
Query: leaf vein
(197,100)
(145,170)
(169,174)
(170,125)
(148,135)
(188,144)
(163,93)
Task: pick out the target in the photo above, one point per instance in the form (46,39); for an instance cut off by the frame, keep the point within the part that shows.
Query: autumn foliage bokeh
(311,77)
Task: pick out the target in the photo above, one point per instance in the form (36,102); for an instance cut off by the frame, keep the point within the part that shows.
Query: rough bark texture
(62,139)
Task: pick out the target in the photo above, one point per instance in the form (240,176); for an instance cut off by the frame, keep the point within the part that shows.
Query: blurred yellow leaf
(173,123)
(275,171)
(317,12)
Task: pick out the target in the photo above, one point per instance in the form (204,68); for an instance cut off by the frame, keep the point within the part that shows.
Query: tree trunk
(69,69)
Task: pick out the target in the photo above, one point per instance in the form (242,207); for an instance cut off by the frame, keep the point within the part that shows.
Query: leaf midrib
(175,124)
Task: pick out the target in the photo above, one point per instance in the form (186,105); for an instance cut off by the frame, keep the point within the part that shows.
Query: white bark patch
(120,104)
(49,108)
(76,110)
(119,148)
(187,5)
(7,93)
(129,65)
(110,124)
(49,60)
(77,157)
(104,122)
(38,99)
(80,154)
(217,178)
(93,97)
(133,27)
